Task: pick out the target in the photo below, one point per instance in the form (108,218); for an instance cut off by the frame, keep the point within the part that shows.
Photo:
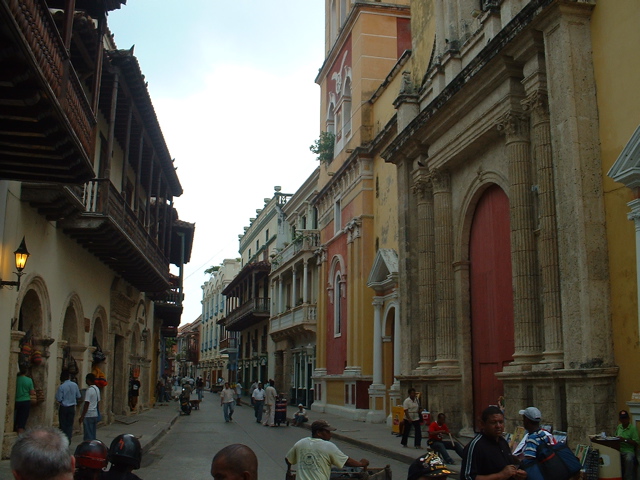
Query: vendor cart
(353,473)
(280,416)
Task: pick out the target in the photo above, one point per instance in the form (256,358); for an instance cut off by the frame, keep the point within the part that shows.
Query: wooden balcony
(228,345)
(46,121)
(168,307)
(108,228)
(248,314)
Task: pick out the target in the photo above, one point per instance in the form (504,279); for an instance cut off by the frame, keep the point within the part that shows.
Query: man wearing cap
(300,416)
(535,436)
(629,441)
(488,456)
(316,455)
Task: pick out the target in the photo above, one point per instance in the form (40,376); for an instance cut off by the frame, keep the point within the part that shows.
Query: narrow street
(187,449)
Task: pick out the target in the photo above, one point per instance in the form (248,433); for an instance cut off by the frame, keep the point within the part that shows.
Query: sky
(232,84)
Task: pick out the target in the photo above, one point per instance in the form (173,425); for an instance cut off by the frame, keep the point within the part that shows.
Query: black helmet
(91,454)
(125,450)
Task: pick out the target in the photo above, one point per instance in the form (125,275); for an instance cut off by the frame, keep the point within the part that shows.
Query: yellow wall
(616,36)
(423,31)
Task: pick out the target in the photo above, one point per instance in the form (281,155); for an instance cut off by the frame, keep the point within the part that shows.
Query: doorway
(491,297)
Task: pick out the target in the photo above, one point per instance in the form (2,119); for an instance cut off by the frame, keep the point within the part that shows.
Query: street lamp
(22,255)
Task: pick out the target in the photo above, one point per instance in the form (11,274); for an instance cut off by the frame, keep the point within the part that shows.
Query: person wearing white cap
(300,416)
(531,417)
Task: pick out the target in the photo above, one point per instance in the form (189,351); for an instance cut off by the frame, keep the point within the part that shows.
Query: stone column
(443,242)
(635,216)
(305,281)
(377,390)
(378,303)
(294,290)
(423,190)
(515,126)
(280,294)
(537,104)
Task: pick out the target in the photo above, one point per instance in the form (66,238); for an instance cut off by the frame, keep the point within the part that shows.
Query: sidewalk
(149,426)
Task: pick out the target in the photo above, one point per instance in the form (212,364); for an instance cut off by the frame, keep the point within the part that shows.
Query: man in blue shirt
(67,397)
(531,417)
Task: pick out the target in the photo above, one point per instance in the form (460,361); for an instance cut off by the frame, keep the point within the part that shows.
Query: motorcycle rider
(91,458)
(125,455)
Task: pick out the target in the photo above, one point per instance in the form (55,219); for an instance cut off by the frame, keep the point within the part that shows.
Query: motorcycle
(185,404)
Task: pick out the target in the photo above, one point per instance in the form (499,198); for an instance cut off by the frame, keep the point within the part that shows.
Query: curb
(160,434)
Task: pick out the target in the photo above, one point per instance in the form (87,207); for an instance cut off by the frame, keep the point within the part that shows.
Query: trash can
(609,449)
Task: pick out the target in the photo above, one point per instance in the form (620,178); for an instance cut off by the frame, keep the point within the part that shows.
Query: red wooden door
(491,296)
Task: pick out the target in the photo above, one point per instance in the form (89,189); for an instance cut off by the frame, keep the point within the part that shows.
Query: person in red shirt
(441,440)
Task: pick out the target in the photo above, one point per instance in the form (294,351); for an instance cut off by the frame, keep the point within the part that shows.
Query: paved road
(186,451)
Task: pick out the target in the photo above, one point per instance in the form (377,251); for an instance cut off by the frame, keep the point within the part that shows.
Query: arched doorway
(491,296)
(388,357)
(31,320)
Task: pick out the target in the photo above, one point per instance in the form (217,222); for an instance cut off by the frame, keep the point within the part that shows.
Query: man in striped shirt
(488,456)
(531,417)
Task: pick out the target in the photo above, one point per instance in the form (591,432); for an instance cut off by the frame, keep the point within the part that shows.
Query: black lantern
(22,255)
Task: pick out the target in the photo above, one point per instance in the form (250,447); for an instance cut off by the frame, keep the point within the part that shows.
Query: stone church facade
(503,255)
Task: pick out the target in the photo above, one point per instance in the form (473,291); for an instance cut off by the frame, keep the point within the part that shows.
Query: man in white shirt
(89,416)
(227,401)
(257,398)
(270,403)
(316,455)
(411,407)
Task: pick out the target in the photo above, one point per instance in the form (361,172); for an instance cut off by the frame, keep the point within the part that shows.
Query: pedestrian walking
(270,404)
(411,407)
(67,397)
(227,401)
(257,398)
(238,393)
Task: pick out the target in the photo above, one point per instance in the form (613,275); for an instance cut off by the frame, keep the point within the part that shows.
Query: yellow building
(356,200)
(617,74)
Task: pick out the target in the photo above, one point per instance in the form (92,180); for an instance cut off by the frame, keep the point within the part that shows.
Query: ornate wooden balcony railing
(49,102)
(110,229)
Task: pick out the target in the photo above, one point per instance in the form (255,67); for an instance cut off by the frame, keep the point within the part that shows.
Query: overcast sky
(232,83)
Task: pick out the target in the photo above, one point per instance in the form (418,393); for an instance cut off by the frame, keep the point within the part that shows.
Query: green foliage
(211,270)
(323,147)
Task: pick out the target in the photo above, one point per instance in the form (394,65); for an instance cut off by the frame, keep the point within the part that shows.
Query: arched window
(337,305)
(346,109)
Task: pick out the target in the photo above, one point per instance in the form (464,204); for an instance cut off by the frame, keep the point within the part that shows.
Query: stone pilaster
(445,289)
(581,220)
(537,104)
(515,127)
(423,191)
(9,435)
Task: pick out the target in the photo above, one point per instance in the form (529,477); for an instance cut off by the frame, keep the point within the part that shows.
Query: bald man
(235,462)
